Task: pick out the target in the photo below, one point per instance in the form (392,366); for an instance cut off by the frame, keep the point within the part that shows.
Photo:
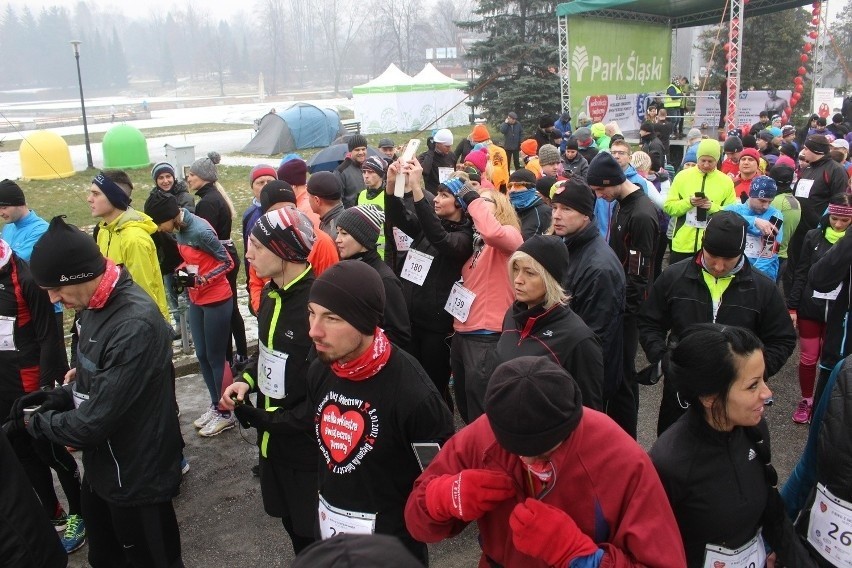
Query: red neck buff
(104,289)
(369,363)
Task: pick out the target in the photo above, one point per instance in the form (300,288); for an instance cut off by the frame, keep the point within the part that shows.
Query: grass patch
(177,130)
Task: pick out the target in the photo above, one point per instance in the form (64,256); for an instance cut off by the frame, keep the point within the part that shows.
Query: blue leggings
(211,331)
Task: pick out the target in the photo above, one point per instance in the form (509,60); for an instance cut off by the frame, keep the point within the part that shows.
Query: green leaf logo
(580,60)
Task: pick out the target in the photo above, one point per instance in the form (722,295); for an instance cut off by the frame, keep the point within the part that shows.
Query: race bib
(750,555)
(830,528)
(334,521)
(271,369)
(755,247)
(803,188)
(79,398)
(401,240)
(416,267)
(444,174)
(692,219)
(459,302)
(828,295)
(7,333)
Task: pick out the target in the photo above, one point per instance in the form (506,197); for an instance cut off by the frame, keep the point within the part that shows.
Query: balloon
(808,47)
(816,11)
(726,47)
(812,35)
(793,102)
(803,58)
(815,21)
(815,5)
(802,70)
(799,88)
(798,81)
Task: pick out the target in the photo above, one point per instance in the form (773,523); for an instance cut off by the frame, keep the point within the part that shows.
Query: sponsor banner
(626,110)
(751,103)
(823,100)
(616,58)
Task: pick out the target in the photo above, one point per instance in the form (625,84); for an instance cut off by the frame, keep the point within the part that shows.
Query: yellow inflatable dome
(45,155)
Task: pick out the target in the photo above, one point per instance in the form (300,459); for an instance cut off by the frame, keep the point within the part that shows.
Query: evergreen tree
(11,39)
(119,73)
(516,61)
(839,50)
(166,69)
(771,47)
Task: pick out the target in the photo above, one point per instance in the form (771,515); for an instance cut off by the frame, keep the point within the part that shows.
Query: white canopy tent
(395,102)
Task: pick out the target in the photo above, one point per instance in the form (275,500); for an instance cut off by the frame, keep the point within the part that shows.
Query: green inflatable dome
(125,147)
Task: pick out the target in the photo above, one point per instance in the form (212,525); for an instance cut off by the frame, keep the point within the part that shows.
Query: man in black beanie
(326,193)
(349,170)
(717,285)
(634,236)
(817,184)
(374,406)
(604,502)
(132,473)
(595,278)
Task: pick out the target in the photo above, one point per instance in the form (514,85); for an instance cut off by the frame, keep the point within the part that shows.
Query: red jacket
(604,481)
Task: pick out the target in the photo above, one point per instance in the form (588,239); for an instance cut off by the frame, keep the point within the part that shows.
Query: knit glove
(547,533)
(464,193)
(467,495)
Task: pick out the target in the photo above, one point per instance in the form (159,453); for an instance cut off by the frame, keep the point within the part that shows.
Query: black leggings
(123,537)
(238,326)
(38,457)
(432,351)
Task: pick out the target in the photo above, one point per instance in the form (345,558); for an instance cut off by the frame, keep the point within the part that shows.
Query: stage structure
(656,15)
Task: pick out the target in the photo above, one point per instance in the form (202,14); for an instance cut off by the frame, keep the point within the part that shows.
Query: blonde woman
(540,323)
(481,296)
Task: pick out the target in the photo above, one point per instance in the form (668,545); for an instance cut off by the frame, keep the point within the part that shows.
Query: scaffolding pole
(735,40)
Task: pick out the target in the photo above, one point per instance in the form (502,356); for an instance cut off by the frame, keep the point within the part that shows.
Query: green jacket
(718,187)
(127,241)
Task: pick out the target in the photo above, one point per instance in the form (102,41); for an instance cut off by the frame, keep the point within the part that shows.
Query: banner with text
(750,104)
(627,110)
(823,99)
(616,58)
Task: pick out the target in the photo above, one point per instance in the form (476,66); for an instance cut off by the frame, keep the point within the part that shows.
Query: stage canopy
(677,13)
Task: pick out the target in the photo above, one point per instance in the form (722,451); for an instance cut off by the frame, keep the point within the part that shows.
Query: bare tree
(341,20)
(403,29)
(273,16)
(444,16)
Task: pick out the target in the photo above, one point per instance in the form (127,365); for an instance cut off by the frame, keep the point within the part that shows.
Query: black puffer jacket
(535,219)
(801,297)
(833,269)
(450,243)
(560,334)
(214,209)
(595,282)
(826,178)
(680,298)
(122,380)
(432,161)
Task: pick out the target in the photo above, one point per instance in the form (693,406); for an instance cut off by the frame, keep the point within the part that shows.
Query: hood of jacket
(130,218)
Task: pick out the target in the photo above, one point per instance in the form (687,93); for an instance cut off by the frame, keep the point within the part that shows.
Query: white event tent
(395,102)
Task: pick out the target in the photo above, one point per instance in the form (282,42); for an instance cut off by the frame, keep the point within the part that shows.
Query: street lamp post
(76,45)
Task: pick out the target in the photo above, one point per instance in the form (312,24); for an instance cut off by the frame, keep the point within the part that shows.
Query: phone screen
(425,452)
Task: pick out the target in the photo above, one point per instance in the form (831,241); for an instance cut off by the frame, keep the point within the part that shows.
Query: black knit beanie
(161,207)
(725,235)
(577,195)
(65,255)
(356,141)
(325,185)
(532,405)
(364,223)
(604,171)
(11,194)
(354,291)
(277,191)
(550,252)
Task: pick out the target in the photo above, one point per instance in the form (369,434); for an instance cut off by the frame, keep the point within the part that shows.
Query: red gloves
(547,533)
(468,495)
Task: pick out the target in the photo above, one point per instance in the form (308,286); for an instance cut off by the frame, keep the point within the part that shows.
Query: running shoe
(803,411)
(75,534)
(205,418)
(184,466)
(59,519)
(219,424)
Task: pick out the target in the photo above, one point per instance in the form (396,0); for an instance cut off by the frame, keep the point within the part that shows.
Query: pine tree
(517,61)
(166,68)
(771,48)
(119,73)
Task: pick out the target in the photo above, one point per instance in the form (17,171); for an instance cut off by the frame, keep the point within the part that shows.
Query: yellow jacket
(127,240)
(719,189)
(499,165)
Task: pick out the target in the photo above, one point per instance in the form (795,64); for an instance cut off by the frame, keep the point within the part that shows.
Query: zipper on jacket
(117,467)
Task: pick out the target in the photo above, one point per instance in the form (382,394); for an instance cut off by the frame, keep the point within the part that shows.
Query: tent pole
(735,38)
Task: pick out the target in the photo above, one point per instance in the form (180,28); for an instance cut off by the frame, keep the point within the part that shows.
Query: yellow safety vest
(672,102)
(378,201)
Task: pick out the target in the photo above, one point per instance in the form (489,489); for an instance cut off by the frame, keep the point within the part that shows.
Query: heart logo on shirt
(718,564)
(822,506)
(341,432)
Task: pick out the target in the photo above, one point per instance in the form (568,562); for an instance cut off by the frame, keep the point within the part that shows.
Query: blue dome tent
(300,126)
